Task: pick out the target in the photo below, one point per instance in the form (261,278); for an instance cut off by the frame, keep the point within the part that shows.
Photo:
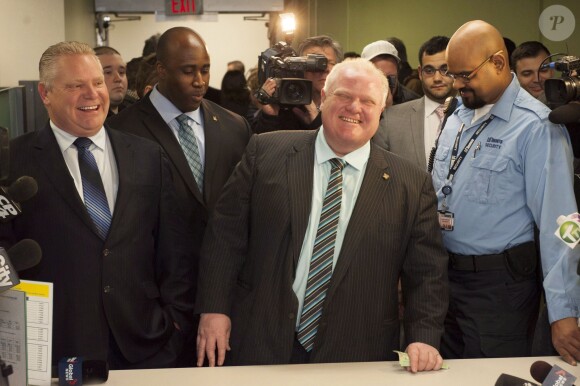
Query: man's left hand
(423,357)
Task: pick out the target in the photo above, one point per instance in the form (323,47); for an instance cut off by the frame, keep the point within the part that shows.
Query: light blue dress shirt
(352,176)
(521,173)
(169,113)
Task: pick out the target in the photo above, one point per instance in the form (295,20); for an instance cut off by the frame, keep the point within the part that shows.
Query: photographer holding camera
(278,116)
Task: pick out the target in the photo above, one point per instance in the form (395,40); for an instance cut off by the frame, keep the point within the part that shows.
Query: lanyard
(456,160)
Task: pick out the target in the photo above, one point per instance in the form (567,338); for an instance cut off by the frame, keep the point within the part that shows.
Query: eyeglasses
(430,71)
(466,77)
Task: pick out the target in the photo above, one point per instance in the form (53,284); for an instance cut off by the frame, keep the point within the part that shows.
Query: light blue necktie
(322,256)
(188,143)
(93,189)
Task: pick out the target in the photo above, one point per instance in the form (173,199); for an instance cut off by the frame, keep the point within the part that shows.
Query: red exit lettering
(182,6)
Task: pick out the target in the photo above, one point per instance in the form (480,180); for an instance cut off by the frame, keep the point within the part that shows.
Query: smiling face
(530,76)
(351,108)
(77,99)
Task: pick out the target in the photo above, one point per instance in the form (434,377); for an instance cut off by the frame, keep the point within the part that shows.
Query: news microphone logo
(8,208)
(8,276)
(569,229)
(70,371)
(559,377)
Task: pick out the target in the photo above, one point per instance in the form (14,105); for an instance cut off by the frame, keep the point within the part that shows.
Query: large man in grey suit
(303,253)
(113,241)
(410,129)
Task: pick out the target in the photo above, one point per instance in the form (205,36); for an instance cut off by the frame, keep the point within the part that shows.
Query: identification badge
(445,220)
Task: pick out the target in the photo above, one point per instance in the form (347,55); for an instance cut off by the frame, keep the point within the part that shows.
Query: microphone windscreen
(510,380)
(25,254)
(22,189)
(568,113)
(95,371)
(540,370)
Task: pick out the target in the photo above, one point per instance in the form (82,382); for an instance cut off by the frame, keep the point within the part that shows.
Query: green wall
(355,23)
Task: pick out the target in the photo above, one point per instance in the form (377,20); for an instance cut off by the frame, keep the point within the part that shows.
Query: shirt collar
(501,109)
(65,140)
(356,158)
(168,111)
(430,106)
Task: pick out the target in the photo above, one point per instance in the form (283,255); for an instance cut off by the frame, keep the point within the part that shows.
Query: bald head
(477,50)
(175,39)
(182,67)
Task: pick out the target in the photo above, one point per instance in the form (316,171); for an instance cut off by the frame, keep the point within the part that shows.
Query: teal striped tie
(190,149)
(322,257)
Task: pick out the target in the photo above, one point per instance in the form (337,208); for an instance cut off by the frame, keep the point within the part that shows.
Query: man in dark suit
(301,273)
(219,135)
(112,238)
(410,129)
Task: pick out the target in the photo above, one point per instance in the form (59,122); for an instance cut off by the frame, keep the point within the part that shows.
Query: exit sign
(183,7)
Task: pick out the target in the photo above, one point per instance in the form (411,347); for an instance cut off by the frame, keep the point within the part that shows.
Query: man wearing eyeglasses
(500,168)
(410,129)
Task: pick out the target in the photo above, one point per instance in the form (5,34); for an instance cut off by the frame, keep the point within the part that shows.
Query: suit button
(291,315)
(107,289)
(106,252)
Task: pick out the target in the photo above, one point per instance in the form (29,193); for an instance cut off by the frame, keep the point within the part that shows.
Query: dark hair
(432,46)
(146,73)
(400,46)
(322,41)
(106,50)
(150,45)
(235,95)
(529,49)
(351,54)
(510,46)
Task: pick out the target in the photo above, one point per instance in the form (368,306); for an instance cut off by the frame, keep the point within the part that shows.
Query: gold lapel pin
(385,176)
(214,118)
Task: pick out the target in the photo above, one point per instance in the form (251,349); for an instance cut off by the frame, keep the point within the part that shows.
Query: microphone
(510,380)
(568,113)
(450,106)
(21,190)
(25,254)
(76,371)
(551,375)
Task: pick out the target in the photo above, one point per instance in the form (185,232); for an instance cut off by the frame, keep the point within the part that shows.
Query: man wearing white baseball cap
(385,57)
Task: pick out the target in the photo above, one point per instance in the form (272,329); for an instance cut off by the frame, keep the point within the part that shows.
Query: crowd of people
(187,226)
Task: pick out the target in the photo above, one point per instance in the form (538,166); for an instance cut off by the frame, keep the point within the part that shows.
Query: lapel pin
(385,176)
(214,118)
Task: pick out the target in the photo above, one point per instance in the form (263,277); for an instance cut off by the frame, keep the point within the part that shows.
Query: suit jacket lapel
(125,159)
(213,140)
(165,137)
(300,171)
(418,129)
(49,158)
(376,180)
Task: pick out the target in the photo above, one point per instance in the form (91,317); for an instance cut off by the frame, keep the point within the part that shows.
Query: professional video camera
(281,63)
(560,91)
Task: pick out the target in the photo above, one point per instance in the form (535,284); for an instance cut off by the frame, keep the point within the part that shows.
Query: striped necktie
(440,112)
(93,189)
(190,149)
(322,256)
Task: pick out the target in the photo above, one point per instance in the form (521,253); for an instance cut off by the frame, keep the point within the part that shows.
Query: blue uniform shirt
(521,172)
